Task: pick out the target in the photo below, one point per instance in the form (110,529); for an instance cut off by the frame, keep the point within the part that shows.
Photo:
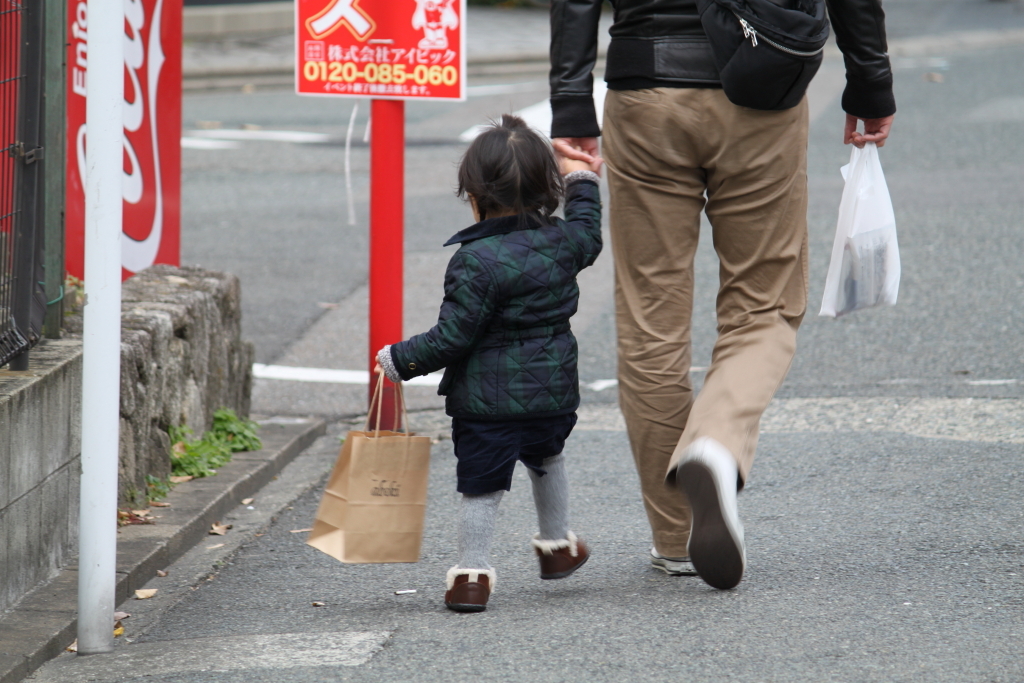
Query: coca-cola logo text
(141,184)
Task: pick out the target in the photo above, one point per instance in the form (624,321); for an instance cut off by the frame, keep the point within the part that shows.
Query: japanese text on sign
(381,48)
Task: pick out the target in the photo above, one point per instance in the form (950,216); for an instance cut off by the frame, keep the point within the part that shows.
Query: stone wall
(182,358)
(40,449)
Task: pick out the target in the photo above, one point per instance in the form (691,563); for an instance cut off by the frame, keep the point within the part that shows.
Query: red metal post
(387,240)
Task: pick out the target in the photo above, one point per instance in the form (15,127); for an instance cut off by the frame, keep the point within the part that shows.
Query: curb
(39,627)
(221,21)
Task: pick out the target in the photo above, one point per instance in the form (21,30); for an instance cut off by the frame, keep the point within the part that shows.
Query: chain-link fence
(22,297)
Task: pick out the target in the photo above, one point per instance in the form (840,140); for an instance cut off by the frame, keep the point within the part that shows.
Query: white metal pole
(101,358)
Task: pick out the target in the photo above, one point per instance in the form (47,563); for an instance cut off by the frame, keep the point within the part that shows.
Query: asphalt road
(880,547)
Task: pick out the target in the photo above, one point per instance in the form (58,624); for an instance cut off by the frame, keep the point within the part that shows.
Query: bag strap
(377,402)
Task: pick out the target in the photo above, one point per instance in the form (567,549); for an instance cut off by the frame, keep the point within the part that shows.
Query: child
(503,337)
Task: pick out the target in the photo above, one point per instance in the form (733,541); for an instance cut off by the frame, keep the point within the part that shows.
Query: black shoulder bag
(767,51)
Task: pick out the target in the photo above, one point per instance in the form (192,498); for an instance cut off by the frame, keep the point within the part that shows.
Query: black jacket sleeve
(469,300)
(583,219)
(573,54)
(859,26)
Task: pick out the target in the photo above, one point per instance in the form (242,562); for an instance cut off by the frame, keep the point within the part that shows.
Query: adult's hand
(875,130)
(580,149)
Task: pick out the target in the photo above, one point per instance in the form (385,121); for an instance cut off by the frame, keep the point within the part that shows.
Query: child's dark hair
(509,168)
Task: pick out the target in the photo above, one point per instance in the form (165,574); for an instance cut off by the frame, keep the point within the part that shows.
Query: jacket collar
(492,226)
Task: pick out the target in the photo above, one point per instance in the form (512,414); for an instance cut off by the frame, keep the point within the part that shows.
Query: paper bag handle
(378,402)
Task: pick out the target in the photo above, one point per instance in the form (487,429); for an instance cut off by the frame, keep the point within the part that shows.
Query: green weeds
(157,488)
(191,457)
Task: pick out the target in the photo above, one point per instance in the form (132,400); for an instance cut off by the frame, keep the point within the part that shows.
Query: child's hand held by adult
(575,150)
(567,166)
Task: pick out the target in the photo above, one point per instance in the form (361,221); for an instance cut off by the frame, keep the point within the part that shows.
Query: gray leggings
(477,514)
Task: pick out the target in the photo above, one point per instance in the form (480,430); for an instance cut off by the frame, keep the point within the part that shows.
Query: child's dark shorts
(488,451)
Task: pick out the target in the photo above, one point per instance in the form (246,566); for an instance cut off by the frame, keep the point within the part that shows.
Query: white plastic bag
(865,267)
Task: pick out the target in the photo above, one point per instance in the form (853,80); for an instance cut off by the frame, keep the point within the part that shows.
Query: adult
(675,145)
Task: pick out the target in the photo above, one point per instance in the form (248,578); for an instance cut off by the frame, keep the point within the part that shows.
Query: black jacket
(661,43)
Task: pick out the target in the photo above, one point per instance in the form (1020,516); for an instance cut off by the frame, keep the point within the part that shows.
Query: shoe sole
(562,575)
(460,607)
(671,572)
(714,552)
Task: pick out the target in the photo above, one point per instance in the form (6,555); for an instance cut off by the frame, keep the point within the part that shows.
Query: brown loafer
(559,559)
(468,589)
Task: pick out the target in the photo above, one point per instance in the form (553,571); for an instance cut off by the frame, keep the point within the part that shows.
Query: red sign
(151,184)
(385,49)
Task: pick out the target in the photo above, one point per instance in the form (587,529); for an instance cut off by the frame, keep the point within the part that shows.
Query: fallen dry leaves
(145,593)
(73,647)
(161,573)
(218,529)
(181,479)
(214,547)
(159,504)
(118,629)
(318,604)
(126,517)
(246,501)
(300,531)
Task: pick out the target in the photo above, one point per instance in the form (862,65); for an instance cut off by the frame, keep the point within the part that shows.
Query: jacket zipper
(751,33)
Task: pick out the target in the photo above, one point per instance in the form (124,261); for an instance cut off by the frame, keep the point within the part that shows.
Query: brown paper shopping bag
(373,507)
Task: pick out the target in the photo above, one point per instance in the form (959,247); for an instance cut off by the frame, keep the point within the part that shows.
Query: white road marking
(997,420)
(329,376)
(538,116)
(921,63)
(504,88)
(202,143)
(298,136)
(227,653)
(990,382)
(602,384)
(283,420)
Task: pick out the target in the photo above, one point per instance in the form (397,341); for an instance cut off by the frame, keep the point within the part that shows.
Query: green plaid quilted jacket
(503,333)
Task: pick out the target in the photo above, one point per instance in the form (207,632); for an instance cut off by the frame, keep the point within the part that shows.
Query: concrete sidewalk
(43,623)
(868,560)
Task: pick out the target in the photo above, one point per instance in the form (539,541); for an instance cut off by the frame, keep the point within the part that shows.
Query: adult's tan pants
(670,153)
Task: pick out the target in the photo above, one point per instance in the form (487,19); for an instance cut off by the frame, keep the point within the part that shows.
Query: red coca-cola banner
(151,184)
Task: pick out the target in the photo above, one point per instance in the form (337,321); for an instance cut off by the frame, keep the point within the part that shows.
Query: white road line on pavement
(997,420)
(329,376)
(602,384)
(990,382)
(229,653)
(298,136)
(503,88)
(538,116)
(203,143)
(921,63)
